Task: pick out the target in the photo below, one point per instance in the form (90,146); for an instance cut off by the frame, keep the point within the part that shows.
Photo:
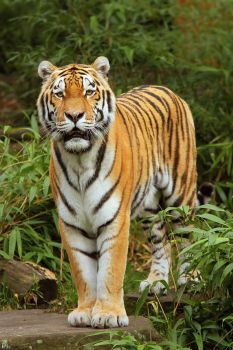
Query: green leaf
(218,240)
(141,301)
(46,186)
(211,217)
(94,24)
(19,243)
(129,53)
(32,193)
(228,270)
(199,341)
(185,250)
(12,243)
(1,209)
(210,207)
(218,266)
(6,128)
(5,255)
(34,124)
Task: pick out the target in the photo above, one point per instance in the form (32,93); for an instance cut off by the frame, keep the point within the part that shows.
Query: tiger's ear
(45,69)
(102,66)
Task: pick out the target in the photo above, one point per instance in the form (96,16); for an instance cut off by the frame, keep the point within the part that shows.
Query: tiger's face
(76,106)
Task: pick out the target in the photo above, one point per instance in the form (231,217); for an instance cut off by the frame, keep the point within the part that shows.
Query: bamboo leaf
(12,243)
(212,218)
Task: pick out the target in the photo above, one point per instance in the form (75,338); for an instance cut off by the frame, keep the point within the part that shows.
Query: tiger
(113,159)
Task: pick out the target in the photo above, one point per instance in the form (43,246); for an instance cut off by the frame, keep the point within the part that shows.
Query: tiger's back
(161,136)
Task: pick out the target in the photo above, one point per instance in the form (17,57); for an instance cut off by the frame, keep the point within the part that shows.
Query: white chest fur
(83,188)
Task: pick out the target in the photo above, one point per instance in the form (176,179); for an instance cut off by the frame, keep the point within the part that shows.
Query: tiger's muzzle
(77,133)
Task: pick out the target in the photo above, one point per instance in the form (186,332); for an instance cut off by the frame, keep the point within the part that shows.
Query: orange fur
(153,140)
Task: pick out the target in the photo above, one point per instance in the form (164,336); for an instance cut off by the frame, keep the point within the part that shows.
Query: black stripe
(152,210)
(42,105)
(151,121)
(175,169)
(177,220)
(103,97)
(155,239)
(101,115)
(64,200)
(135,98)
(158,98)
(99,160)
(178,201)
(109,101)
(81,231)
(108,222)
(93,255)
(140,109)
(135,197)
(113,162)
(186,173)
(104,125)
(139,159)
(62,165)
(171,137)
(180,118)
(127,107)
(156,250)
(158,110)
(137,204)
(47,107)
(189,200)
(106,196)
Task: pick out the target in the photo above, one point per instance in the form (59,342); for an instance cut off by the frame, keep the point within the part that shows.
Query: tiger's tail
(205,193)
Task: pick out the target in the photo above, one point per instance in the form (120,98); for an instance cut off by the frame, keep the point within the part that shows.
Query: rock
(43,330)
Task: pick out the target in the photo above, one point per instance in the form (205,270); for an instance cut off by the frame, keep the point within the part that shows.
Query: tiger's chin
(77,145)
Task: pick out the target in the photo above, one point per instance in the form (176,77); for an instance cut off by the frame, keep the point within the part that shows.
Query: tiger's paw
(80,318)
(102,320)
(154,287)
(109,317)
(186,276)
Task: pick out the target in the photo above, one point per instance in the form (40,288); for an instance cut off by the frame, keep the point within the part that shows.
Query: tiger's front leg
(112,245)
(81,251)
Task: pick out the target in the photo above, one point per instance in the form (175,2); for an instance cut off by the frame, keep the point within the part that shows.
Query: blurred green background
(185,45)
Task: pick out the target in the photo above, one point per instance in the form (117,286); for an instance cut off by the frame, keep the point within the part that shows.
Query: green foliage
(7,299)
(120,340)
(28,219)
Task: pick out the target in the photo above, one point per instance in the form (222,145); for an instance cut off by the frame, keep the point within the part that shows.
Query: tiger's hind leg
(161,259)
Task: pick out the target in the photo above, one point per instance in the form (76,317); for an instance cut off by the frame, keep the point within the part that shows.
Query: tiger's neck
(95,162)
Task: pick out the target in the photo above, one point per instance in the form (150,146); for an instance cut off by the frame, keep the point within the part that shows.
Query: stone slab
(44,330)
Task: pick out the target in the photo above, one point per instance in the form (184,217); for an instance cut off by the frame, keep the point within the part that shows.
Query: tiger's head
(76,106)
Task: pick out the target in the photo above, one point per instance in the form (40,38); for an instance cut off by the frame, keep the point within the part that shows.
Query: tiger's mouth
(77,133)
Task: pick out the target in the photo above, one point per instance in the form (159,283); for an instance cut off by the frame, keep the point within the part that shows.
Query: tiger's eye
(89,92)
(59,94)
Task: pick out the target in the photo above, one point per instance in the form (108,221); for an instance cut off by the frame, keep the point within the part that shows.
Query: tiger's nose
(73,116)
